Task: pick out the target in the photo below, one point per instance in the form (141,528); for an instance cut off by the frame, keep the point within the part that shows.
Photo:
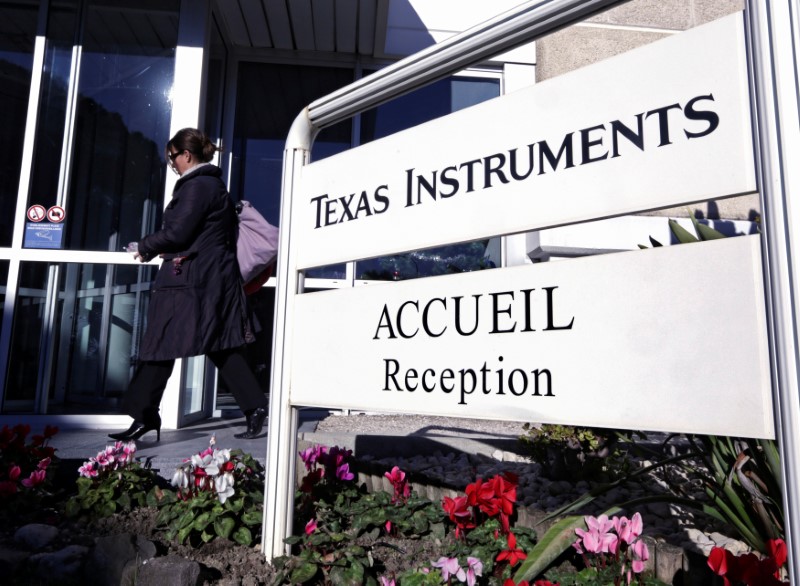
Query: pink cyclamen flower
(14,472)
(36,478)
(598,539)
(387,581)
(343,472)
(311,526)
(311,455)
(396,476)
(450,567)
(601,524)
(43,463)
(628,529)
(88,470)
(640,556)
(474,568)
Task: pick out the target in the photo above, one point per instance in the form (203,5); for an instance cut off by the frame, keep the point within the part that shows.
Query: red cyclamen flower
(512,554)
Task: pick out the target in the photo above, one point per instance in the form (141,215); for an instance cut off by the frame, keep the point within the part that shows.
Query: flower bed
(386,531)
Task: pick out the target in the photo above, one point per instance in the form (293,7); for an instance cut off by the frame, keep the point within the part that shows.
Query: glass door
(103,117)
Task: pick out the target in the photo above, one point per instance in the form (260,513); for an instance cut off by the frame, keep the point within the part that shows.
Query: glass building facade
(91,92)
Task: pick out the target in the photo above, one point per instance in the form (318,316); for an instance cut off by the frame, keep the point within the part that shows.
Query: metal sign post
(771,35)
(506,31)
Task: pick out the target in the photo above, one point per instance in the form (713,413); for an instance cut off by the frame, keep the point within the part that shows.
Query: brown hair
(195,141)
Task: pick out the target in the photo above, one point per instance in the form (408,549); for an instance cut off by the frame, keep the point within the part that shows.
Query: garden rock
(172,569)
(11,559)
(35,536)
(65,563)
(111,554)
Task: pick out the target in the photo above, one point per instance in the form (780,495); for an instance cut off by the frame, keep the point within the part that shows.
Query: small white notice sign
(666,339)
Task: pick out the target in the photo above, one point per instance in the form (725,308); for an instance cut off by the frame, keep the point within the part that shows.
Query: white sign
(664,125)
(666,339)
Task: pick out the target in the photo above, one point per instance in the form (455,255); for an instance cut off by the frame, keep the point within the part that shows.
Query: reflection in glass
(53,100)
(194,373)
(3,286)
(121,111)
(82,353)
(17,35)
(432,101)
(270,96)
(215,83)
(28,322)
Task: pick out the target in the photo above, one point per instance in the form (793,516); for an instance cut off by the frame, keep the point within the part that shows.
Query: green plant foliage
(575,453)
(108,494)
(473,532)
(589,577)
(552,544)
(743,482)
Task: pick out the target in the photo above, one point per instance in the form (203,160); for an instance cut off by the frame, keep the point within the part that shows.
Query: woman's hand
(133,248)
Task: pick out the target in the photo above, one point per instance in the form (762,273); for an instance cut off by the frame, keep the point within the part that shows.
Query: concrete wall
(624,28)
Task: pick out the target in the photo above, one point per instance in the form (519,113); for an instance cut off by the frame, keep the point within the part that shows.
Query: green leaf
(184,533)
(242,536)
(552,544)
(106,509)
(705,232)
(206,536)
(124,500)
(73,507)
(352,575)
(202,521)
(234,505)
(252,517)
(681,233)
(186,519)
(303,573)
(90,499)
(223,526)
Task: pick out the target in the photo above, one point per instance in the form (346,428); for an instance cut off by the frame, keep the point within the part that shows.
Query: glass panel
(17,36)
(194,373)
(270,97)
(90,342)
(122,112)
(56,73)
(3,286)
(432,101)
(26,332)
(101,319)
(215,84)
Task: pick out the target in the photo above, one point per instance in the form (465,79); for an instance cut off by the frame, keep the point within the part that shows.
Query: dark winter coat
(197,302)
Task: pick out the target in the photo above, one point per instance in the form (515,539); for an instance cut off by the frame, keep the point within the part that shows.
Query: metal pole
(772,35)
(518,26)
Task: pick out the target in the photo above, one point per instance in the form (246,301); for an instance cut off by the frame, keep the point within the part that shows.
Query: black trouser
(147,386)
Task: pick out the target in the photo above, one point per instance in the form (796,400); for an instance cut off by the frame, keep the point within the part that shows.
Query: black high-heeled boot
(255,422)
(135,431)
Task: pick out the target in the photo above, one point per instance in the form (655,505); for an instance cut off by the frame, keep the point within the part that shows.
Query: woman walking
(197,304)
